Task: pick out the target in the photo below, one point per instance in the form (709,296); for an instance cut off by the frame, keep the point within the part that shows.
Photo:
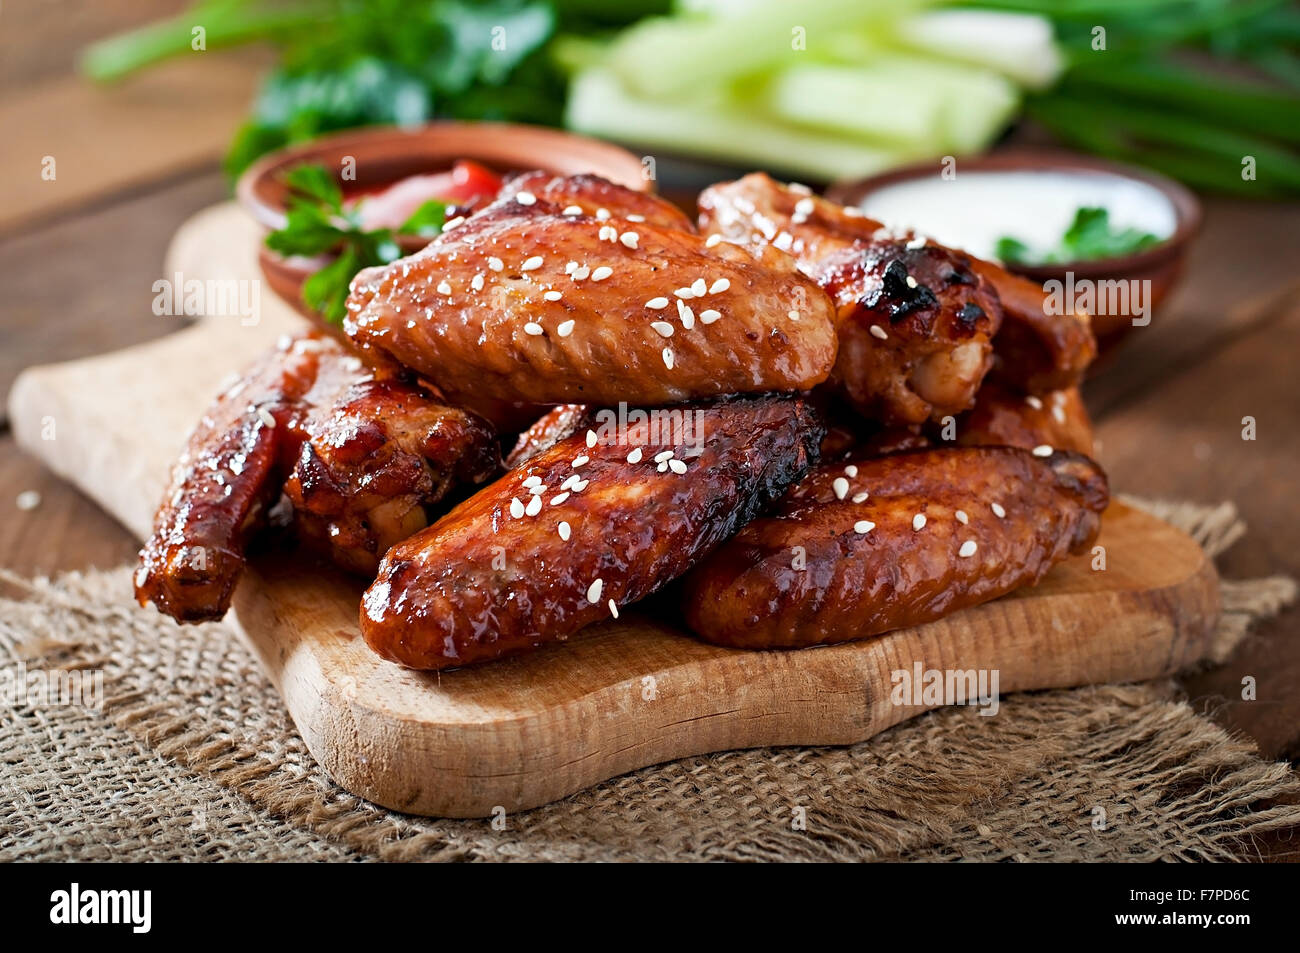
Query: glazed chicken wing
(359,453)
(1003,417)
(598,198)
(374,460)
(597,521)
(915,320)
(530,300)
(1037,349)
(1000,418)
(561,421)
(863,548)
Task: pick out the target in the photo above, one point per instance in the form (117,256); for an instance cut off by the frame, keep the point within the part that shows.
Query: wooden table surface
(79,255)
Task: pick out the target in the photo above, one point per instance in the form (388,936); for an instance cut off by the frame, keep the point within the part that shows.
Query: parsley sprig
(318,223)
(1089,237)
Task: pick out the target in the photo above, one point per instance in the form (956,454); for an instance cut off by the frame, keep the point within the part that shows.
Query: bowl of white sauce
(1108,238)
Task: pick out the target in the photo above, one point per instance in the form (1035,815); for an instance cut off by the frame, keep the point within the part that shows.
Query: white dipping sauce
(974,209)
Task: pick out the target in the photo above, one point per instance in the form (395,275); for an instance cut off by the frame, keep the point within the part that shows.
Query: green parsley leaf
(1012,251)
(316,223)
(314,181)
(1089,237)
(326,292)
(426,221)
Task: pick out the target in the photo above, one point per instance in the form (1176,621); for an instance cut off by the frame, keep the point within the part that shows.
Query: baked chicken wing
(530,300)
(915,321)
(1038,349)
(599,520)
(1003,417)
(598,198)
(862,548)
(359,453)
(561,421)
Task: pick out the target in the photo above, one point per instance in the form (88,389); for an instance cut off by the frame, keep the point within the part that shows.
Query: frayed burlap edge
(1098,773)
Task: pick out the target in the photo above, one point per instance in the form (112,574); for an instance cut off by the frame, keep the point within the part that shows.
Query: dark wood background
(78,256)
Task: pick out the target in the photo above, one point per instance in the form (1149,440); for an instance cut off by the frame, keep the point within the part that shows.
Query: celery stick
(930,105)
(676,56)
(1018,46)
(716,127)
(868,100)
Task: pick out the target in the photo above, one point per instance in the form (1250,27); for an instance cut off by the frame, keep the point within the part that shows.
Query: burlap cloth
(193,756)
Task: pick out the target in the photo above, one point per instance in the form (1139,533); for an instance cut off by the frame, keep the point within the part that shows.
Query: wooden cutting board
(622,695)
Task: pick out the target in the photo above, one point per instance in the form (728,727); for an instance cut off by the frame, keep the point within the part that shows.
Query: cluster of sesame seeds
(802,209)
(1058,406)
(536,489)
(840,486)
(664,461)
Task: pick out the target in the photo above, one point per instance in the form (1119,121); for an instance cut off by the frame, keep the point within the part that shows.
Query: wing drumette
(915,320)
(911,344)
(360,453)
